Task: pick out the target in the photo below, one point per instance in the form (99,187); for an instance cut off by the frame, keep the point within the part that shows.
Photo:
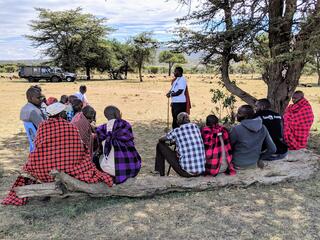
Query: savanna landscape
(232,52)
(284,211)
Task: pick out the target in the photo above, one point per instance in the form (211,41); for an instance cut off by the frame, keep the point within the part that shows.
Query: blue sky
(129,17)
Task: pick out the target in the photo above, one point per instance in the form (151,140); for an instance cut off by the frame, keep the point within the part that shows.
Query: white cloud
(128,16)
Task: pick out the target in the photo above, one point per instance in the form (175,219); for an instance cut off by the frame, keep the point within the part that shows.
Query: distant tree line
(75,40)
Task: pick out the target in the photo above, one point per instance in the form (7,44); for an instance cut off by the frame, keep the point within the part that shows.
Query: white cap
(55,109)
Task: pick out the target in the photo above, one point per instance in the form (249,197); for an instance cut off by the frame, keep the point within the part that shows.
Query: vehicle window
(44,70)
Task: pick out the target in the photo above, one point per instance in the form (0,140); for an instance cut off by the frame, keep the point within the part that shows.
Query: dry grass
(286,211)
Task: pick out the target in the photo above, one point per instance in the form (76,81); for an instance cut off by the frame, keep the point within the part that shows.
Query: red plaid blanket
(58,146)
(213,148)
(298,119)
(85,130)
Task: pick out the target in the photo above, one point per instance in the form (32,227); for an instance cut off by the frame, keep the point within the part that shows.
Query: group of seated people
(261,135)
(68,140)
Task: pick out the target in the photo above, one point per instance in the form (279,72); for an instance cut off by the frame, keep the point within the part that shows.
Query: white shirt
(82,97)
(179,83)
(107,163)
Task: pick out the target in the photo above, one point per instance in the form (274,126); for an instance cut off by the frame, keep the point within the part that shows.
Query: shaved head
(245,112)
(34,96)
(112,112)
(263,104)
(183,118)
(297,96)
(89,113)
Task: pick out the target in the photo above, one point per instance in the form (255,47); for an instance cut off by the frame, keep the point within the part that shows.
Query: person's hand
(93,125)
(168,94)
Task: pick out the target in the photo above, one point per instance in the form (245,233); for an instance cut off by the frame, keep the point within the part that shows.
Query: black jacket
(273,122)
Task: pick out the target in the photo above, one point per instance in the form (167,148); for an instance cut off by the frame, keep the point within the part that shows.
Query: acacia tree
(171,58)
(72,39)
(123,59)
(143,50)
(229,28)
(315,62)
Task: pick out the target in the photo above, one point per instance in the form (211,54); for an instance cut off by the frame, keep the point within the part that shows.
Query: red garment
(85,130)
(186,93)
(58,146)
(298,119)
(213,148)
(51,100)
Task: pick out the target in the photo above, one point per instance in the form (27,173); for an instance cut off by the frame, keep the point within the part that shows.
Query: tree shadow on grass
(314,141)
(287,210)
(14,152)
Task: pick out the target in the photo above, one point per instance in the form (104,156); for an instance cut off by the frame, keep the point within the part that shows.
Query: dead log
(299,166)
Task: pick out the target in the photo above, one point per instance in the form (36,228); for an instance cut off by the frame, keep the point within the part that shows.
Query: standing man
(180,101)
(298,119)
(32,112)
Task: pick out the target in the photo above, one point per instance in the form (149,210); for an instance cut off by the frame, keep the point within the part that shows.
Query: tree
(229,28)
(315,63)
(123,59)
(171,58)
(143,49)
(71,38)
(317,57)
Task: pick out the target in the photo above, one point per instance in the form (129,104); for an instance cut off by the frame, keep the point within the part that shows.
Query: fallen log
(299,166)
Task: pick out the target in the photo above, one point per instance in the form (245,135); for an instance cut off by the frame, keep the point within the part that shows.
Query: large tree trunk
(88,73)
(126,67)
(140,73)
(318,66)
(170,68)
(299,166)
(225,64)
(231,87)
(282,81)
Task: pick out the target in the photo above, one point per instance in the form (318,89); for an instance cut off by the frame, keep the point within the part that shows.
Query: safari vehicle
(50,74)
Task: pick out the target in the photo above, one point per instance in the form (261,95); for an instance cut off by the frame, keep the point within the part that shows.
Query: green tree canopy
(143,50)
(72,39)
(171,58)
(225,32)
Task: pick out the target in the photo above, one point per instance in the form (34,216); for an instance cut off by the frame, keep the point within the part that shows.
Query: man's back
(247,139)
(31,113)
(273,123)
(190,147)
(298,119)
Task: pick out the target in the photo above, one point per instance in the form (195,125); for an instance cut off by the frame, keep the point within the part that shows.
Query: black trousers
(164,152)
(177,108)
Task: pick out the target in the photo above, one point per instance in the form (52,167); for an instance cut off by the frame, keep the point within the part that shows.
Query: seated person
(84,121)
(82,95)
(32,112)
(218,148)
(190,158)
(274,124)
(298,119)
(51,100)
(58,147)
(119,156)
(77,106)
(69,109)
(44,100)
(64,99)
(247,139)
